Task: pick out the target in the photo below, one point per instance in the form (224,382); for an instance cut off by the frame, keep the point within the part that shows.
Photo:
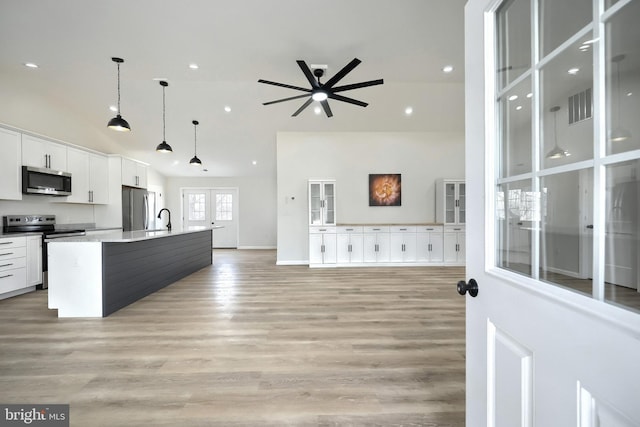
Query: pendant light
(556,152)
(195,161)
(618,133)
(163,147)
(118,123)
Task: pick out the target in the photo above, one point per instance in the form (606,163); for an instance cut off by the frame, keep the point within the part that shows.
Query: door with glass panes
(322,202)
(552,170)
(213,207)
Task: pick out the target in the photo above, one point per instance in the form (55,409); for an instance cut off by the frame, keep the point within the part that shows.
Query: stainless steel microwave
(45,181)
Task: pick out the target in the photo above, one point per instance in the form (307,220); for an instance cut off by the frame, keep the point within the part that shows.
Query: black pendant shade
(118,123)
(195,161)
(163,147)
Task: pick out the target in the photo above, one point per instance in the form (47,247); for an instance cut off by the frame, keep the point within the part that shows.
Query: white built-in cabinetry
(322,245)
(451,211)
(41,153)
(13,266)
(90,177)
(34,260)
(429,244)
(402,241)
(134,173)
(376,243)
(10,161)
(350,245)
(322,202)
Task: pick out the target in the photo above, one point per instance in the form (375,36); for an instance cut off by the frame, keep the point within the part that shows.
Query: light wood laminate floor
(249,343)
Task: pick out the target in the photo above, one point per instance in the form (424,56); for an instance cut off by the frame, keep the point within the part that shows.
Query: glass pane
(462,209)
(314,204)
(450,203)
(559,20)
(609,3)
(514,40)
(517,212)
(197,207)
(567,86)
(224,207)
(515,130)
(622,254)
(564,235)
(623,80)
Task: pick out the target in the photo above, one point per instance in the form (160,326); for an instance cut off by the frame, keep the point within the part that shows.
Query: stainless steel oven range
(43,224)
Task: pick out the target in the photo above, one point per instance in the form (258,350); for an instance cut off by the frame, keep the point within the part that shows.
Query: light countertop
(120,236)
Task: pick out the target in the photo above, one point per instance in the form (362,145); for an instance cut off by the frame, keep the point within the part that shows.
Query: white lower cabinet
(10,162)
(322,245)
(429,244)
(349,245)
(13,265)
(376,244)
(454,245)
(402,244)
(34,260)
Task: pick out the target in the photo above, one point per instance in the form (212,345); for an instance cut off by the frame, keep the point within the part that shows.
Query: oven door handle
(61,235)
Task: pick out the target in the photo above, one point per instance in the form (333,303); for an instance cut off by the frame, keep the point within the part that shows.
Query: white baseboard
(292,262)
(256,247)
(564,272)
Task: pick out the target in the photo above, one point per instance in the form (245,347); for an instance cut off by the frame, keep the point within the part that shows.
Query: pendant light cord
(195,140)
(163,115)
(118,88)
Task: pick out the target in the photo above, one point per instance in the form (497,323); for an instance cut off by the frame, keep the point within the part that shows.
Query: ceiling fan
(321,92)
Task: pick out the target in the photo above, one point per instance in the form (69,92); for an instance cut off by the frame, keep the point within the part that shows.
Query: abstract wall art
(385,189)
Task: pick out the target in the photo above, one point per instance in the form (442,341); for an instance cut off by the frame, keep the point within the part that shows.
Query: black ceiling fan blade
(305,105)
(349,100)
(307,73)
(284,85)
(327,109)
(357,85)
(285,99)
(340,74)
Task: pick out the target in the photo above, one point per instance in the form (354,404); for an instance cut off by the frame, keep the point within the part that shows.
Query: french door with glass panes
(552,171)
(213,207)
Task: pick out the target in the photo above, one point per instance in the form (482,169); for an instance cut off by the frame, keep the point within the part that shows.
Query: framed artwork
(385,189)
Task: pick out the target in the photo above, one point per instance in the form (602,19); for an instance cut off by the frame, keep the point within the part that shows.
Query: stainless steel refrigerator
(135,209)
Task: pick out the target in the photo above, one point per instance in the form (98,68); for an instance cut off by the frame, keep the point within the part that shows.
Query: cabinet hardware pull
(6,253)
(349,229)
(376,229)
(6,265)
(4,277)
(6,243)
(403,229)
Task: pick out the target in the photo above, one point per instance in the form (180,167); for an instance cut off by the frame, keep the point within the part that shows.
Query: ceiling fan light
(163,147)
(319,96)
(195,161)
(119,124)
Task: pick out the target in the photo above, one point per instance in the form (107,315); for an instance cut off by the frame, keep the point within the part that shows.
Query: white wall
(257,206)
(349,158)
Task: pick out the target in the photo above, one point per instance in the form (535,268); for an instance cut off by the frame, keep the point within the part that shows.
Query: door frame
(211,189)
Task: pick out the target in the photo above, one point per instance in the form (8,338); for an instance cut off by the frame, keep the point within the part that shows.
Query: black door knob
(471,287)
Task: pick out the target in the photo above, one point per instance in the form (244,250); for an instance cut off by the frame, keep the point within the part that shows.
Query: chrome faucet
(169,212)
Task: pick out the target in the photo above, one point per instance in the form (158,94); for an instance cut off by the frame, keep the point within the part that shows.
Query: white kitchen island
(98,274)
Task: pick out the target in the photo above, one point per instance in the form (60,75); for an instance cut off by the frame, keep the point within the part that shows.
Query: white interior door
(213,207)
(546,347)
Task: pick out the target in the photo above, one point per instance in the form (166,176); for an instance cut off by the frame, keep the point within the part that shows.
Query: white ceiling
(235,43)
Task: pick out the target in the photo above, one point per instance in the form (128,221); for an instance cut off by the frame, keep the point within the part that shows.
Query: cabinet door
(436,249)
(329,203)
(34,260)
(33,152)
(315,248)
(422,247)
(329,242)
(396,248)
(383,241)
(10,162)
(315,203)
(450,202)
(57,156)
(461,201)
(409,253)
(450,247)
(134,174)
(343,252)
(461,239)
(141,173)
(78,166)
(357,248)
(99,179)
(369,251)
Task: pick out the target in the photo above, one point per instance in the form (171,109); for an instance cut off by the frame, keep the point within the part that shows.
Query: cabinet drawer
(12,252)
(10,264)
(403,229)
(376,229)
(15,242)
(454,228)
(322,230)
(348,229)
(13,279)
(430,228)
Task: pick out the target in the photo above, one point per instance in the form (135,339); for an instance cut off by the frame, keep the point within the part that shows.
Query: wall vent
(580,106)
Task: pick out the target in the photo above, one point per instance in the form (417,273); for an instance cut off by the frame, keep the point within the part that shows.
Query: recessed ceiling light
(255,162)
(519,107)
(629,93)
(113,108)
(447,68)
(529,95)
(30,65)
(227,108)
(317,110)
(573,71)
(513,97)
(408,111)
(175,162)
(193,66)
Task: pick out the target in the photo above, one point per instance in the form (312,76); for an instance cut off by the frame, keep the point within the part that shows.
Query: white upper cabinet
(41,153)
(134,174)
(10,163)
(451,201)
(322,202)
(90,177)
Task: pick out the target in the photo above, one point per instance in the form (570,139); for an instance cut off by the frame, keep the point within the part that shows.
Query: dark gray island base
(95,276)
(133,270)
